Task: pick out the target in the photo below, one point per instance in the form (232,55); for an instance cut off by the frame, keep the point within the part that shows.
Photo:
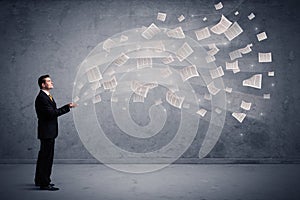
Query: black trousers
(44,162)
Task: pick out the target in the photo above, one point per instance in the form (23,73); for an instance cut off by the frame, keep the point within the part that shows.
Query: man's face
(48,85)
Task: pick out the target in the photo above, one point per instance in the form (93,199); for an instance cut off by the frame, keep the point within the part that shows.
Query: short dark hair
(42,80)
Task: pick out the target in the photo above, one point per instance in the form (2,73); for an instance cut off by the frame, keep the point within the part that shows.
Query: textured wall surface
(54,37)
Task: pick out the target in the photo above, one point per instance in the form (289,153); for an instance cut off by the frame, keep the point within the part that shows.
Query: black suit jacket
(47,114)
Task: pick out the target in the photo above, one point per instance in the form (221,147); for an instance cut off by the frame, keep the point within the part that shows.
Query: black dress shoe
(49,188)
(51,184)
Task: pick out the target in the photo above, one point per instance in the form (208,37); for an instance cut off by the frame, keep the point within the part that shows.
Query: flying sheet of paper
(123,38)
(79,85)
(246,105)
(114,99)
(141,88)
(213,51)
(228,89)
(76,99)
(202,112)
(144,62)
(218,6)
(251,16)
(246,49)
(186,105)
(272,73)
(176,33)
(188,72)
(97,99)
(151,31)
(108,44)
(159,46)
(121,60)
(235,54)
(207,96)
(254,81)
(181,18)
(222,26)
(168,60)
(184,51)
(232,66)
(173,87)
(202,33)
(212,46)
(216,73)
(94,74)
(161,16)
(264,57)
(210,58)
(233,31)
(166,72)
(267,96)
(135,85)
(236,70)
(138,99)
(212,88)
(261,36)
(110,84)
(110,72)
(95,85)
(239,116)
(142,91)
(218,110)
(174,100)
(151,85)
(158,102)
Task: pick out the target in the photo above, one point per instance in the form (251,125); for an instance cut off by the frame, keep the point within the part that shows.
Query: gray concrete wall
(54,37)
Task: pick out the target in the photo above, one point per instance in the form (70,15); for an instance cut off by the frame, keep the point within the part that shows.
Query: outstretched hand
(72,105)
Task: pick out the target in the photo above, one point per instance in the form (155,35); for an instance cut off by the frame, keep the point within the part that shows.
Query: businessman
(47,114)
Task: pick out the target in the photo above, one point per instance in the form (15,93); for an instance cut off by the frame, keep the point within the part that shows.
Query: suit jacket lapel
(46,96)
(53,102)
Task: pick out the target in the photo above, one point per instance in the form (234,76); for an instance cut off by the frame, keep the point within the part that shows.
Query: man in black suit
(47,114)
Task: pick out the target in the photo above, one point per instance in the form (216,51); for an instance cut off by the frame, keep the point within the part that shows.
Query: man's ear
(43,85)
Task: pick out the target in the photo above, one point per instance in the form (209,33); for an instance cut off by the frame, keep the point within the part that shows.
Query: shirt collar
(48,93)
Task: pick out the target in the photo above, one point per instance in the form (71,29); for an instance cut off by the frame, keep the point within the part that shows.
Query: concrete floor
(180,181)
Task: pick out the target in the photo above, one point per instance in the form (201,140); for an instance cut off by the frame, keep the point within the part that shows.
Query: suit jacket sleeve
(47,114)
(47,111)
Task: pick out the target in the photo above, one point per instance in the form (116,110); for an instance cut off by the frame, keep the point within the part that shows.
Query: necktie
(50,96)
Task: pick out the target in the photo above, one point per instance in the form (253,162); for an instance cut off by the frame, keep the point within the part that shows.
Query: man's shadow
(29,186)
